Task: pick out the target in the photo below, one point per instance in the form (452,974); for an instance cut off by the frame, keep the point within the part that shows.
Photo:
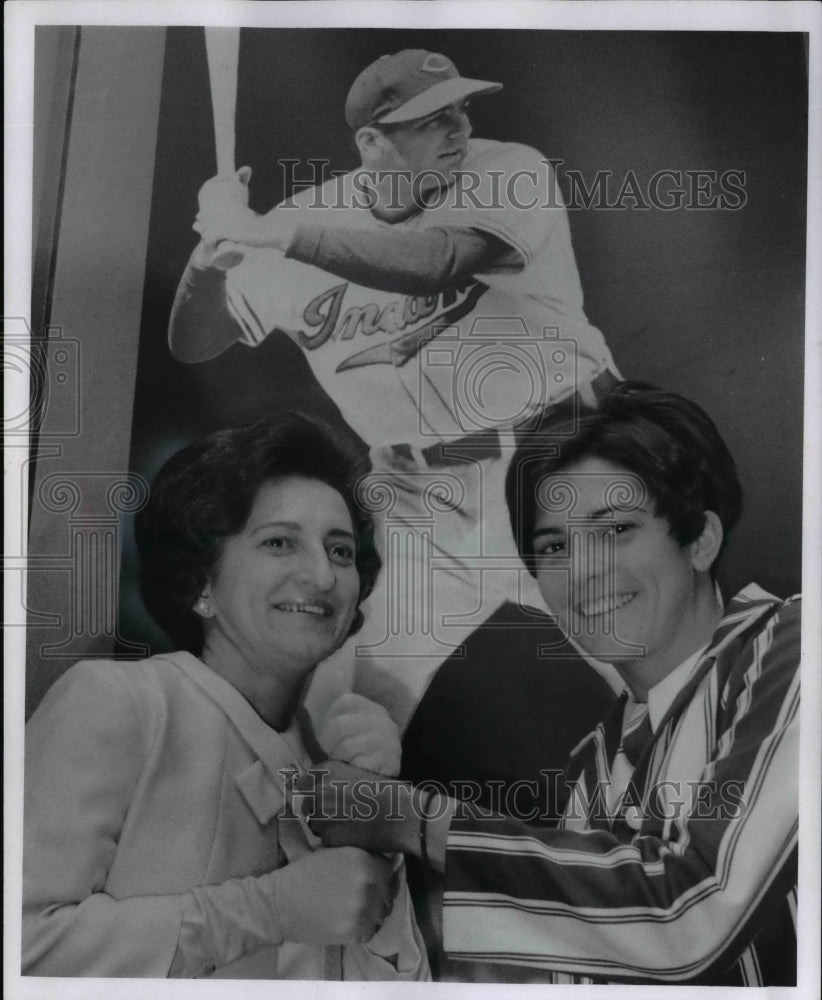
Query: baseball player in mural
(435,294)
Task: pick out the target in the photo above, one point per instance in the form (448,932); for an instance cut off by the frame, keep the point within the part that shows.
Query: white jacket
(143,781)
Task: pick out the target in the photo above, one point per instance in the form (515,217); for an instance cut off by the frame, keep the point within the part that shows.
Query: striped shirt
(693,877)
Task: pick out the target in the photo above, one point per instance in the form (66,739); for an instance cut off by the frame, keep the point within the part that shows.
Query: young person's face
(610,570)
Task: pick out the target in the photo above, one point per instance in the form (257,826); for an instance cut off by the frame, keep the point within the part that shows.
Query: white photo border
(20,20)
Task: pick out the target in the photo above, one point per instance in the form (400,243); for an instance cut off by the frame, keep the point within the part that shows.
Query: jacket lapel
(263,783)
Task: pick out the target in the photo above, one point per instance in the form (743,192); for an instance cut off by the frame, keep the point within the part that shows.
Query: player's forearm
(389,259)
(201,326)
(410,263)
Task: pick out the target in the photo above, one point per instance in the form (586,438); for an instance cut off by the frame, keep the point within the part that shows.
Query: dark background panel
(709,303)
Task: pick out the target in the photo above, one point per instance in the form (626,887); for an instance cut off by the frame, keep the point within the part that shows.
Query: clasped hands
(351,807)
(352,799)
(367,822)
(224,215)
(354,873)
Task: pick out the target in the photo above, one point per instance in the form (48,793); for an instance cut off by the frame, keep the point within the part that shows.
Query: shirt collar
(739,613)
(661,696)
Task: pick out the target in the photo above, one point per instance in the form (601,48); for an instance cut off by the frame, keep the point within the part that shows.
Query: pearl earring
(203,608)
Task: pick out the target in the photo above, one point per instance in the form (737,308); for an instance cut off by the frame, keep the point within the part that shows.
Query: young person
(675,859)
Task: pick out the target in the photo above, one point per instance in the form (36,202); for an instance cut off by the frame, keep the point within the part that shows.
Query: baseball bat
(223,54)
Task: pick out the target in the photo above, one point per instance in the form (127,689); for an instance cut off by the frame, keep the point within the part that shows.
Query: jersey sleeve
(396,259)
(265,291)
(201,326)
(215,309)
(677,904)
(84,754)
(509,191)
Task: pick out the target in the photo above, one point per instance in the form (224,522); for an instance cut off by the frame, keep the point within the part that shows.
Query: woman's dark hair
(665,440)
(204,494)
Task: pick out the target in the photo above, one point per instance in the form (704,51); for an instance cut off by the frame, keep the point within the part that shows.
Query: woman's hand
(334,896)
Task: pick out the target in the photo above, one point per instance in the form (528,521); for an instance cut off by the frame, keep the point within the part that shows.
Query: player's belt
(486,443)
(471,448)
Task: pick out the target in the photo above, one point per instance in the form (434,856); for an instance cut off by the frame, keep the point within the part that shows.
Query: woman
(160,838)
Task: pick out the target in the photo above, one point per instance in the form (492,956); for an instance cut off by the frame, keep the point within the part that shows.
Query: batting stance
(435,294)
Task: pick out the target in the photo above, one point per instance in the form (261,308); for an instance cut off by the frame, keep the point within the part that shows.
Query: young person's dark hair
(664,439)
(204,494)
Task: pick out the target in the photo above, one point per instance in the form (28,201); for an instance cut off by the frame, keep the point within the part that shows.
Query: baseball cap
(408,85)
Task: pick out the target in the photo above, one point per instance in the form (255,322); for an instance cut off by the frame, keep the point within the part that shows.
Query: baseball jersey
(484,353)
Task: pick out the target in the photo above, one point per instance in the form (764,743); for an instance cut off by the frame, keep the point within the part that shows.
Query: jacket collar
(262,784)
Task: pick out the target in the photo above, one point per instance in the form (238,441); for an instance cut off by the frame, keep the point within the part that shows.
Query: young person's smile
(615,577)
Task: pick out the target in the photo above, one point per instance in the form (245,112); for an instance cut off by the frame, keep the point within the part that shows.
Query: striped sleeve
(675,901)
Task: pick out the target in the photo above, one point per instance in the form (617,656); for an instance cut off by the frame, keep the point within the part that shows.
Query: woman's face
(285,589)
